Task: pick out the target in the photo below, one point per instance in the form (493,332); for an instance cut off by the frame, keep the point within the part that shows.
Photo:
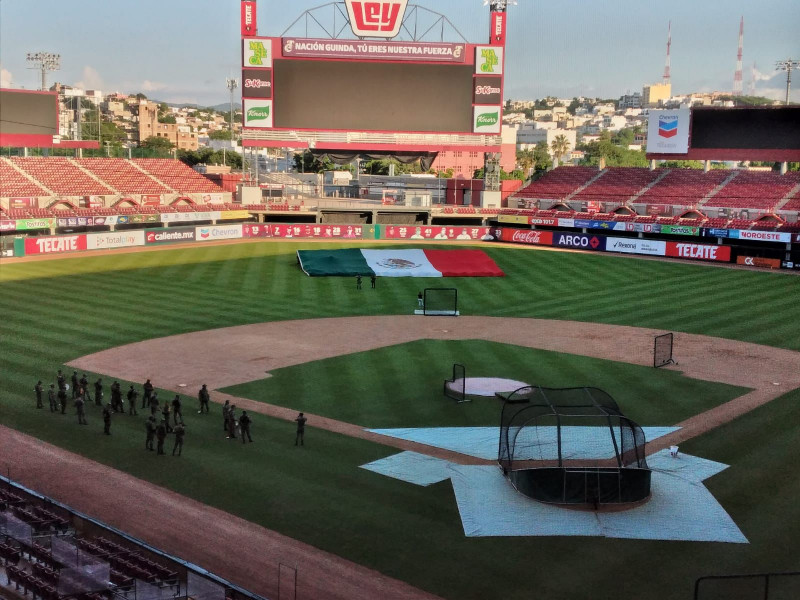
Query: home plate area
(680,506)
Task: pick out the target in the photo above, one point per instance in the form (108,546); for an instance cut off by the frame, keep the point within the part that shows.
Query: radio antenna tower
(44,62)
(751,89)
(666,77)
(737,77)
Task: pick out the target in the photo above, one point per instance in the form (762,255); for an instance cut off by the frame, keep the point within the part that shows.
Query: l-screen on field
(394,476)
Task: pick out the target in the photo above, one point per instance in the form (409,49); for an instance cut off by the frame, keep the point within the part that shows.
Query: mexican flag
(397,263)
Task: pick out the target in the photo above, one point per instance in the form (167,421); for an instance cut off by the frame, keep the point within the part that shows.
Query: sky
(181,51)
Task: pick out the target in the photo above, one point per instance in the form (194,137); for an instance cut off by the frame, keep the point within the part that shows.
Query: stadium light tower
(232,84)
(44,62)
(787,65)
(499,5)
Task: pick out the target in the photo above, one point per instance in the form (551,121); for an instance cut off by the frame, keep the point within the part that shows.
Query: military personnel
(176,409)
(153,401)
(62,399)
(98,392)
(204,397)
(51,397)
(161,434)
(148,392)
(150,427)
(61,380)
(165,416)
(301,429)
(84,383)
(133,400)
(180,431)
(232,422)
(75,383)
(107,419)
(79,406)
(225,410)
(38,388)
(244,426)
(358,282)
(116,395)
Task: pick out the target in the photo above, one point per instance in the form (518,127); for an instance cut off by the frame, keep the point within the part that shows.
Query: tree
(141,96)
(560,146)
(156,143)
(219,134)
(541,157)
(306,162)
(167,119)
(526,161)
(574,106)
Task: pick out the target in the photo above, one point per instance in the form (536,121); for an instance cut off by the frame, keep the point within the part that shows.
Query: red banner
(249,19)
(373,50)
(151,200)
(256,230)
(527,236)
(23,203)
(402,232)
(755,261)
(8,225)
(54,245)
(498,24)
(699,251)
(317,231)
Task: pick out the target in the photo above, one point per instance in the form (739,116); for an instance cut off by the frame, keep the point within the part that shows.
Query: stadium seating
(14,184)
(683,187)
(123,176)
(62,176)
(753,190)
(558,183)
(617,184)
(178,176)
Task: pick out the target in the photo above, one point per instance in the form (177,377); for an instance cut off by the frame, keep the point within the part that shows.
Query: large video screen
(28,113)
(746,128)
(366,96)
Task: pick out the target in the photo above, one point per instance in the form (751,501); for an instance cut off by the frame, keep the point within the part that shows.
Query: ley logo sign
(376,19)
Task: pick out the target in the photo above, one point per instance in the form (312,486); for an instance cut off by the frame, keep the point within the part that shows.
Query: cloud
(152,86)
(90,79)
(5,77)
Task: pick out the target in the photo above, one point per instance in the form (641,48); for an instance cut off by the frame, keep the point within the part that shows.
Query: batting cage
(572,446)
(662,350)
(440,302)
(456,386)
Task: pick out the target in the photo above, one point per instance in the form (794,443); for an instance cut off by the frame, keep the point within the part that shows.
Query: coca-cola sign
(487,90)
(257,83)
(527,236)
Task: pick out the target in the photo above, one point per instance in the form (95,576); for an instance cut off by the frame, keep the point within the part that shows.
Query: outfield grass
(401,386)
(58,310)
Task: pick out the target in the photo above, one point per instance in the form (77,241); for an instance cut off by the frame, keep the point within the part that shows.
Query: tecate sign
(249,26)
(376,19)
(258,113)
(699,251)
(583,242)
(486,119)
(257,83)
(53,245)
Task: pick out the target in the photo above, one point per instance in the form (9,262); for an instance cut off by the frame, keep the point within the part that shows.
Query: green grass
(401,386)
(55,311)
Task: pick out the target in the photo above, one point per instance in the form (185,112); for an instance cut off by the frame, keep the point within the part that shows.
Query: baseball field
(243,318)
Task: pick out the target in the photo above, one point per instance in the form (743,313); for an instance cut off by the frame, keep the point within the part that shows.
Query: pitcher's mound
(489,386)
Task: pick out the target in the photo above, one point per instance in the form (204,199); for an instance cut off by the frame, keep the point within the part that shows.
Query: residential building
(656,94)
(464,163)
(181,135)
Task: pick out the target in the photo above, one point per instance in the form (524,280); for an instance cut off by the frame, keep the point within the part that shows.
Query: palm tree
(526,162)
(560,146)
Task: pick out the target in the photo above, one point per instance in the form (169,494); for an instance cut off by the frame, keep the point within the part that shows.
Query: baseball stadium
(586,385)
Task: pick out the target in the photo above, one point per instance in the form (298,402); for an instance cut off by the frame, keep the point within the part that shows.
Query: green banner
(680,230)
(29,224)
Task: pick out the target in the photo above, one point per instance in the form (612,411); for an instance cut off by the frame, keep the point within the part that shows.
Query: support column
(784,168)
(706,166)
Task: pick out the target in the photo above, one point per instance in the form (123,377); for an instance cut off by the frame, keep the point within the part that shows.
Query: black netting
(572,445)
(456,386)
(662,350)
(440,301)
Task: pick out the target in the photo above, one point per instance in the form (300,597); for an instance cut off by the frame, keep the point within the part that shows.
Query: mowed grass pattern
(401,386)
(55,311)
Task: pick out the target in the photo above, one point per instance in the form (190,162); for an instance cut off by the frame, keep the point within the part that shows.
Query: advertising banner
(218,232)
(318,231)
(249,18)
(55,244)
(699,251)
(636,246)
(234,214)
(582,241)
(8,225)
(23,202)
(488,60)
(252,230)
(486,119)
(190,216)
(258,113)
(499,28)
(755,261)
(566,223)
(544,221)
(796,238)
(29,224)
(373,50)
(257,83)
(257,53)
(376,18)
(668,131)
(7,247)
(151,199)
(403,232)
(114,239)
(169,236)
(487,90)
(637,227)
(518,219)
(527,236)
(719,233)
(680,230)
(761,236)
